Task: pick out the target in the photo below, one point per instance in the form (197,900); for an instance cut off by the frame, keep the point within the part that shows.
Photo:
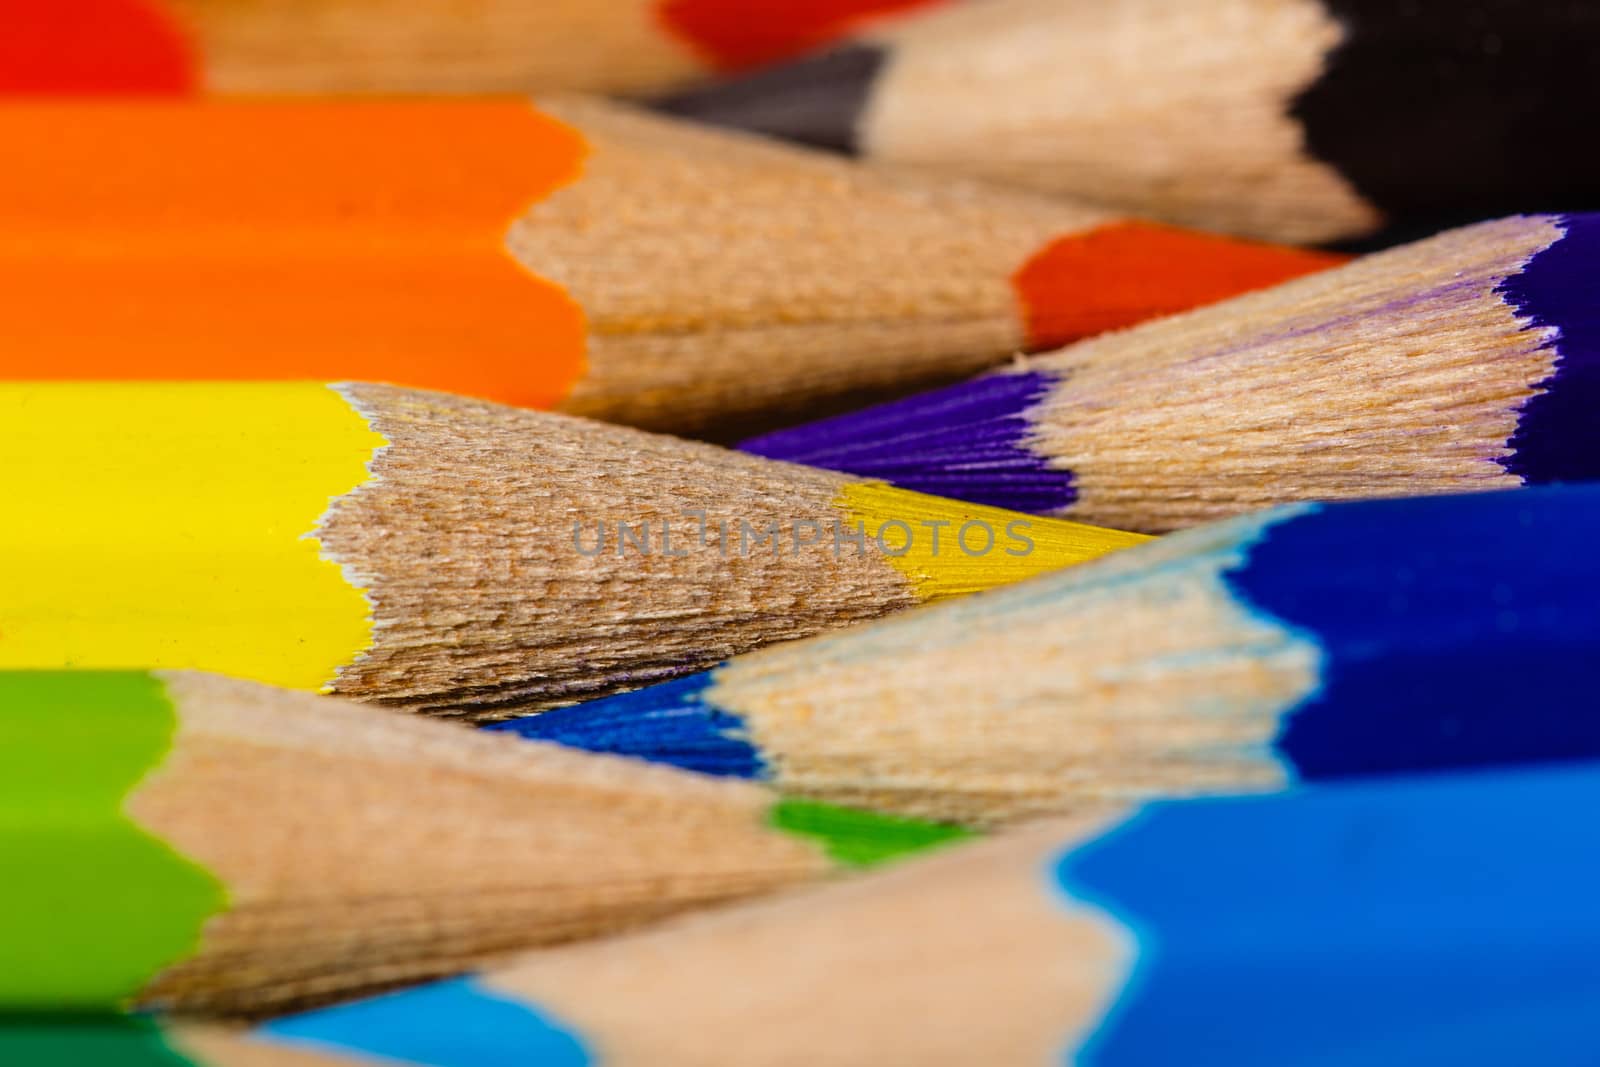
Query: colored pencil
(1467,361)
(581,256)
(1307,643)
(1414,921)
(1295,120)
(444,554)
(403,46)
(204,844)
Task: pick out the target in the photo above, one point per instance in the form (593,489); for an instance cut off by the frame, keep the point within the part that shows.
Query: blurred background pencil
(582,256)
(1312,642)
(202,844)
(1467,361)
(404,46)
(1295,120)
(1389,922)
(444,554)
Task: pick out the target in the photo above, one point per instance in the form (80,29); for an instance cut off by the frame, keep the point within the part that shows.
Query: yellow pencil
(445,554)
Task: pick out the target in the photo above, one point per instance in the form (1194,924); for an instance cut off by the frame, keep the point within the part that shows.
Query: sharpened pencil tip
(669,723)
(459,1023)
(94,48)
(965,442)
(816,101)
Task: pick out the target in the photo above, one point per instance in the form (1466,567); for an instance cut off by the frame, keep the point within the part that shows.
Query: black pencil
(1304,120)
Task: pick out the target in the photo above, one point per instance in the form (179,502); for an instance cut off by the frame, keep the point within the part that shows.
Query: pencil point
(727,34)
(90,47)
(966,442)
(816,101)
(447,1024)
(669,723)
(856,838)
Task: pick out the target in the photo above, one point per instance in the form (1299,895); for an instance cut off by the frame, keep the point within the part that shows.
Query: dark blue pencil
(1311,642)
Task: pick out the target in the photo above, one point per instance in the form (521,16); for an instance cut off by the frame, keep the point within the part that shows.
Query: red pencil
(385,46)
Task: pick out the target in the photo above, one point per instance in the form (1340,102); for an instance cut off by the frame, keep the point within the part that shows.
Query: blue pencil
(1444,920)
(1312,642)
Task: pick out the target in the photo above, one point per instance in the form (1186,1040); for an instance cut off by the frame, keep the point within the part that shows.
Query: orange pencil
(579,256)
